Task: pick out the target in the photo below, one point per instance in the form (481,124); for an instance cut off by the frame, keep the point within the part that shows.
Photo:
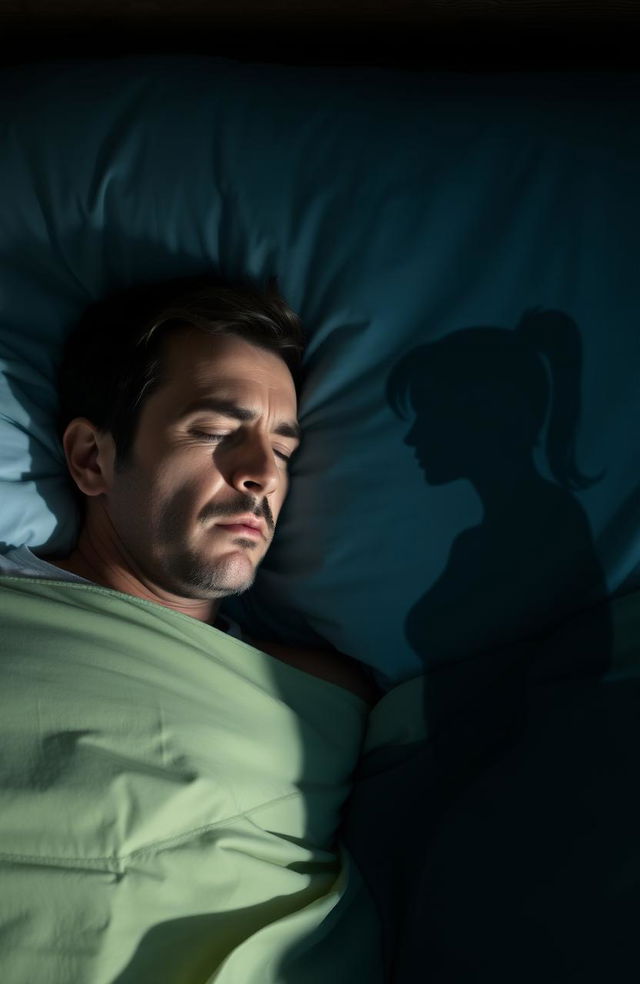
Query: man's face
(199,472)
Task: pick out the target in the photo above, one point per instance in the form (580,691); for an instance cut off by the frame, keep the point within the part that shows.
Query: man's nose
(254,468)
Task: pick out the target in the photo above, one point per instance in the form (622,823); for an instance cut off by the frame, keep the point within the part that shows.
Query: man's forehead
(215,359)
(191,347)
(220,372)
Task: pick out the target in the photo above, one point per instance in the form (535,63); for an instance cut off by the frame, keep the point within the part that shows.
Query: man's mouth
(246,527)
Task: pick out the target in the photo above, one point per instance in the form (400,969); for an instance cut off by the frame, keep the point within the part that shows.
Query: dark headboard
(473,35)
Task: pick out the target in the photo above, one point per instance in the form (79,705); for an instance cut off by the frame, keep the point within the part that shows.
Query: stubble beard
(215,578)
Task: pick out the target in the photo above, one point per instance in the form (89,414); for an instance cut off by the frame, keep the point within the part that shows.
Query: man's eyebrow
(228,408)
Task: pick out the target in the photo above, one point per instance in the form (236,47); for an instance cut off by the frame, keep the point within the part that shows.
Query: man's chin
(235,583)
(196,577)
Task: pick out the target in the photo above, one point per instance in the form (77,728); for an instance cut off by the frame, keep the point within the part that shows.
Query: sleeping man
(171,790)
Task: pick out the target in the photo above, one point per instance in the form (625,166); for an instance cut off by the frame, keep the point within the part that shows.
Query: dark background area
(463,35)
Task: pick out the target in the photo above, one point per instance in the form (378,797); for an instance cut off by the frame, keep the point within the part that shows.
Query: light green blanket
(169,801)
(177,807)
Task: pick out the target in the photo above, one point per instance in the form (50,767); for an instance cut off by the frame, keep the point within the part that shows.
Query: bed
(464,511)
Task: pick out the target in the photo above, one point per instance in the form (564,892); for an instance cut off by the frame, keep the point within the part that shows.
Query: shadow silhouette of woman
(481,397)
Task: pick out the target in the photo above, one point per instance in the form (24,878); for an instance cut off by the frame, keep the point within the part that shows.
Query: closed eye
(209,437)
(216,438)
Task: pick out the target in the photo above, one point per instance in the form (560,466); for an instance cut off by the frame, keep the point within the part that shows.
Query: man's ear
(90,456)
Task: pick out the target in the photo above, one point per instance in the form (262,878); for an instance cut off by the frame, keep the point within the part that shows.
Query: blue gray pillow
(462,250)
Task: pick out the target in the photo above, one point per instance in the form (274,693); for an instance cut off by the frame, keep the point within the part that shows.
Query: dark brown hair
(112,360)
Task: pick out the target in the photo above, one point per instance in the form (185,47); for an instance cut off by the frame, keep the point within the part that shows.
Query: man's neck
(86,564)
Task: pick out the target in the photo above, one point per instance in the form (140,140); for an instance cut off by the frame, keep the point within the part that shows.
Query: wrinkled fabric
(169,801)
